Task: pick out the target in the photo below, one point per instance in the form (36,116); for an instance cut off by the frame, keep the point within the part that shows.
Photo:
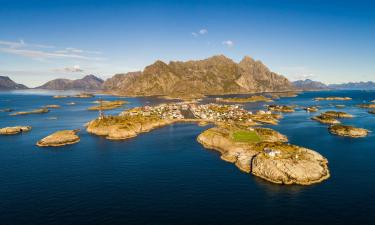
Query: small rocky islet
(348,131)
(254,98)
(108,105)
(332,98)
(36,111)
(60,138)
(14,130)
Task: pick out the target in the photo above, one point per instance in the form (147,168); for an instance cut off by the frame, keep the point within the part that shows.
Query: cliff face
(215,75)
(7,84)
(89,82)
(310,85)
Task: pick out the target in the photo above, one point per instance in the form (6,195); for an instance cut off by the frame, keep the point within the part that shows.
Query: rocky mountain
(308,84)
(215,75)
(87,83)
(7,84)
(354,86)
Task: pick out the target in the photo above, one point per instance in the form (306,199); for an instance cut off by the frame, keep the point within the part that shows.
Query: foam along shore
(255,98)
(268,156)
(348,131)
(331,98)
(36,111)
(107,105)
(60,138)
(14,130)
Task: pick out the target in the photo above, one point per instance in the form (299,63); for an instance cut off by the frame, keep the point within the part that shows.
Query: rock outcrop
(215,75)
(271,159)
(348,131)
(60,138)
(14,130)
(36,111)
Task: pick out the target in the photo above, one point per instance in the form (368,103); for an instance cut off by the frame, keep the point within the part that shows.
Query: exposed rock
(36,111)
(348,131)
(270,159)
(14,130)
(215,75)
(336,114)
(255,98)
(7,84)
(371,111)
(333,99)
(107,105)
(311,109)
(367,106)
(326,119)
(89,82)
(6,110)
(281,108)
(60,138)
(52,106)
(84,95)
(61,96)
(340,106)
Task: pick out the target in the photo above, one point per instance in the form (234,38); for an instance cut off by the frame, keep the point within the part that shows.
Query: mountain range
(214,75)
(87,83)
(7,84)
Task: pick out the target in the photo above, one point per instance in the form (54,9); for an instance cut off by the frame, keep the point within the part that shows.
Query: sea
(165,177)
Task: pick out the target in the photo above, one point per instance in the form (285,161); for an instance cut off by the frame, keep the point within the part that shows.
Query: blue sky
(330,41)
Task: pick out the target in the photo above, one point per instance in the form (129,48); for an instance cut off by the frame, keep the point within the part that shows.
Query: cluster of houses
(212,112)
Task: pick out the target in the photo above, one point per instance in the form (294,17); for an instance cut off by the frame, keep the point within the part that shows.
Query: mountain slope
(215,75)
(309,85)
(369,85)
(89,82)
(7,84)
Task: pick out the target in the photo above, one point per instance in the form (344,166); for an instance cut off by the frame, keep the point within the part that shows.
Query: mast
(101,113)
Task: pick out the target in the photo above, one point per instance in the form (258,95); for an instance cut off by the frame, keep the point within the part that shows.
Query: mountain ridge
(87,83)
(212,76)
(8,84)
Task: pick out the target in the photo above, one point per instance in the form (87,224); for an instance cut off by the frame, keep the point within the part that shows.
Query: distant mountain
(87,83)
(308,85)
(215,75)
(354,86)
(7,84)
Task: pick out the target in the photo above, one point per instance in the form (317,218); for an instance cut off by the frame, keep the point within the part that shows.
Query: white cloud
(73,69)
(228,43)
(298,72)
(39,52)
(194,34)
(203,31)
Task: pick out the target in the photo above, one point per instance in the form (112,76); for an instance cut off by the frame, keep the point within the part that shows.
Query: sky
(329,41)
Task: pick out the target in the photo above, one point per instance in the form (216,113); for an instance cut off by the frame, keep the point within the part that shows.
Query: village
(208,112)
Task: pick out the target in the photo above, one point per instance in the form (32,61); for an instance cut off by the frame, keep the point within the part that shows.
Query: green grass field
(245,136)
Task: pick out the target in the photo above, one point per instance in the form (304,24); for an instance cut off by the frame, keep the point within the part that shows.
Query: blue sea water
(165,177)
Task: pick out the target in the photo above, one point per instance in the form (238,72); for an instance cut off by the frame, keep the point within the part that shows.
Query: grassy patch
(246,136)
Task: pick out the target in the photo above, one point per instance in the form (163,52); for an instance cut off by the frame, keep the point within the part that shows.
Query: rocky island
(337,114)
(367,106)
(348,131)
(36,111)
(255,98)
(52,106)
(60,138)
(14,130)
(332,99)
(107,105)
(311,109)
(265,154)
(326,119)
(281,108)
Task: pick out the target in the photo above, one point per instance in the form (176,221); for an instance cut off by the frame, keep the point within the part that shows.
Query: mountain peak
(87,83)
(8,84)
